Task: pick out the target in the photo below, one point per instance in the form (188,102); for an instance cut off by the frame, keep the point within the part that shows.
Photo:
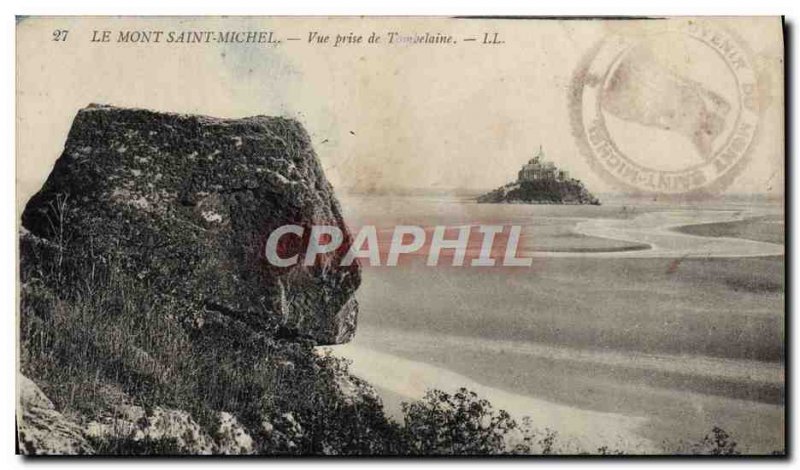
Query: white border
(408,7)
(8,239)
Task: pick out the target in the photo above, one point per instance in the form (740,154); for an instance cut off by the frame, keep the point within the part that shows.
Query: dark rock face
(185,204)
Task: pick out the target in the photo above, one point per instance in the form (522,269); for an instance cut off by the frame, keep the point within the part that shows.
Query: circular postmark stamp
(671,110)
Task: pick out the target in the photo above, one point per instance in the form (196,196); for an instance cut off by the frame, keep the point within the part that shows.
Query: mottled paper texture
(400,235)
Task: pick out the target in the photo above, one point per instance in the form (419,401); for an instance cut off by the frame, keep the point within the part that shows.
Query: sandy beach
(409,380)
(636,349)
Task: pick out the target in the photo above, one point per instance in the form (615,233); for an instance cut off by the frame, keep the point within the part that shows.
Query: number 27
(60,35)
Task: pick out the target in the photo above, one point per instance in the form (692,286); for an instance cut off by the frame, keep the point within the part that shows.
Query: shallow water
(673,339)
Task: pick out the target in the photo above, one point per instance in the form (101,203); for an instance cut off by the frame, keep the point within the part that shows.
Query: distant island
(540,182)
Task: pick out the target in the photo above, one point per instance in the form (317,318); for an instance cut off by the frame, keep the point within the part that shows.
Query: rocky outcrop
(43,430)
(136,425)
(184,204)
(541,192)
(132,424)
(232,438)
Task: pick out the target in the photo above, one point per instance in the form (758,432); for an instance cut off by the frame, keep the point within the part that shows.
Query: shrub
(455,424)
(718,442)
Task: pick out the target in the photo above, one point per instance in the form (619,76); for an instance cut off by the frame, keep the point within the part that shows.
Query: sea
(627,331)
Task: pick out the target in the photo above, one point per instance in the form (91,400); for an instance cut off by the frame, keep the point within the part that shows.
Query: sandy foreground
(577,428)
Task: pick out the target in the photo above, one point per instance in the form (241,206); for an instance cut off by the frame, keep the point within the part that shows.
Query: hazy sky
(465,115)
